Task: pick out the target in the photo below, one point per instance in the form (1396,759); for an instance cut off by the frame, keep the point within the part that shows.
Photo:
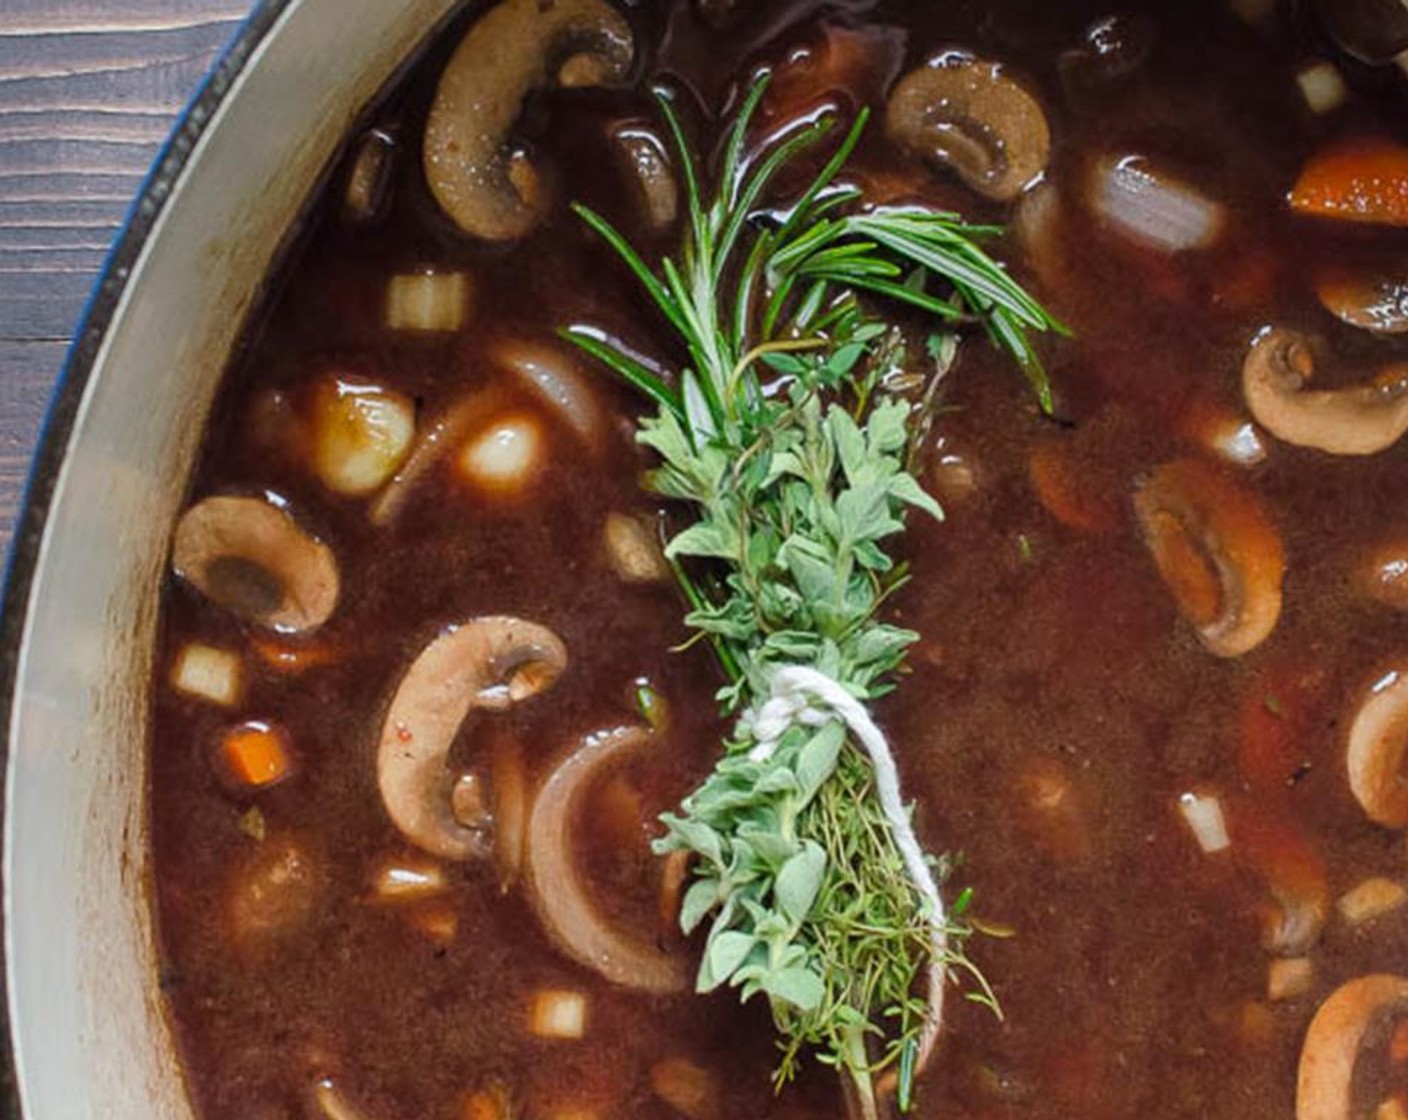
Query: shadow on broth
(808,560)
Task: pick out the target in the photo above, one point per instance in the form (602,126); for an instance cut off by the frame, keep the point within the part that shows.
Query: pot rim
(114,278)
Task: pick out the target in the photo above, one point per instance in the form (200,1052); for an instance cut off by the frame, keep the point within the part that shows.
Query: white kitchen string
(806,696)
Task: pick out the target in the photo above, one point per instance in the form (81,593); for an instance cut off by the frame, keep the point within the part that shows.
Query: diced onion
(554,377)
(1371,899)
(1204,816)
(207,673)
(1289,977)
(489,1103)
(505,456)
(634,553)
(1254,12)
(369,178)
(410,879)
(686,1087)
(1229,435)
(558,1014)
(953,479)
(1240,443)
(1391,1108)
(437,921)
(361,435)
(1322,87)
(642,157)
(1152,209)
(427,302)
(331,1104)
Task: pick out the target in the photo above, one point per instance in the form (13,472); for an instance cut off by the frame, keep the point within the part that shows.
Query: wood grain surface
(89,90)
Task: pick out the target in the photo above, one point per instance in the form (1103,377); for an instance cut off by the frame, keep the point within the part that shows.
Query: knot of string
(810,698)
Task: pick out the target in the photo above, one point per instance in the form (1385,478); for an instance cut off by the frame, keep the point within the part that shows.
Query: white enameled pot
(89,1038)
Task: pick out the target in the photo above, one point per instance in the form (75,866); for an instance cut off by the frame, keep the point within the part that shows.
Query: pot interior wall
(89,1030)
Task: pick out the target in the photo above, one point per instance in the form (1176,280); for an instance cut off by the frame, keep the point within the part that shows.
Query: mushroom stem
(1217,551)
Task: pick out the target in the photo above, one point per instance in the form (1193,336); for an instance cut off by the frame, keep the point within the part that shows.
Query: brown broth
(1135,982)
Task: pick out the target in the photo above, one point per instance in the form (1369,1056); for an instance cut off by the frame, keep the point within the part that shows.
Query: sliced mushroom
(555,888)
(1217,551)
(965,113)
(250,557)
(519,46)
(1325,1079)
(1378,739)
(488,663)
(1359,420)
(1374,300)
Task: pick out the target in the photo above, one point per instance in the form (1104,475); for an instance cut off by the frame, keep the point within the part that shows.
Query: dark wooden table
(88,91)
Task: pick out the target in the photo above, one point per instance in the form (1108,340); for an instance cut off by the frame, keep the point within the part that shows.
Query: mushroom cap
(514,48)
(965,113)
(488,663)
(1217,551)
(1378,740)
(1324,1081)
(250,557)
(1358,420)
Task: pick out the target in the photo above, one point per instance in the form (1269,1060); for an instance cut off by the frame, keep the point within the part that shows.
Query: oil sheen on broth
(1171,773)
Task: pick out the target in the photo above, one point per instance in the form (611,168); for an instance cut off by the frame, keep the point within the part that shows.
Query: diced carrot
(1284,713)
(1248,281)
(256,754)
(1256,1024)
(1277,850)
(1360,180)
(489,1103)
(286,657)
(1066,493)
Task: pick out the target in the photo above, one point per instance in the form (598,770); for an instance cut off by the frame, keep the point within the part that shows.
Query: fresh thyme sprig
(779,436)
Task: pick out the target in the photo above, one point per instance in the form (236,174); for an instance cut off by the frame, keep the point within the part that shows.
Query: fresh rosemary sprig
(781,438)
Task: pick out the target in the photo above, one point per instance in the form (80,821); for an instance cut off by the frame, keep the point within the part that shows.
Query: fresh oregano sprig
(794,462)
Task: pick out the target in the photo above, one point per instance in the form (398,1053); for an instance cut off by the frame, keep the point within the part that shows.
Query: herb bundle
(780,437)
